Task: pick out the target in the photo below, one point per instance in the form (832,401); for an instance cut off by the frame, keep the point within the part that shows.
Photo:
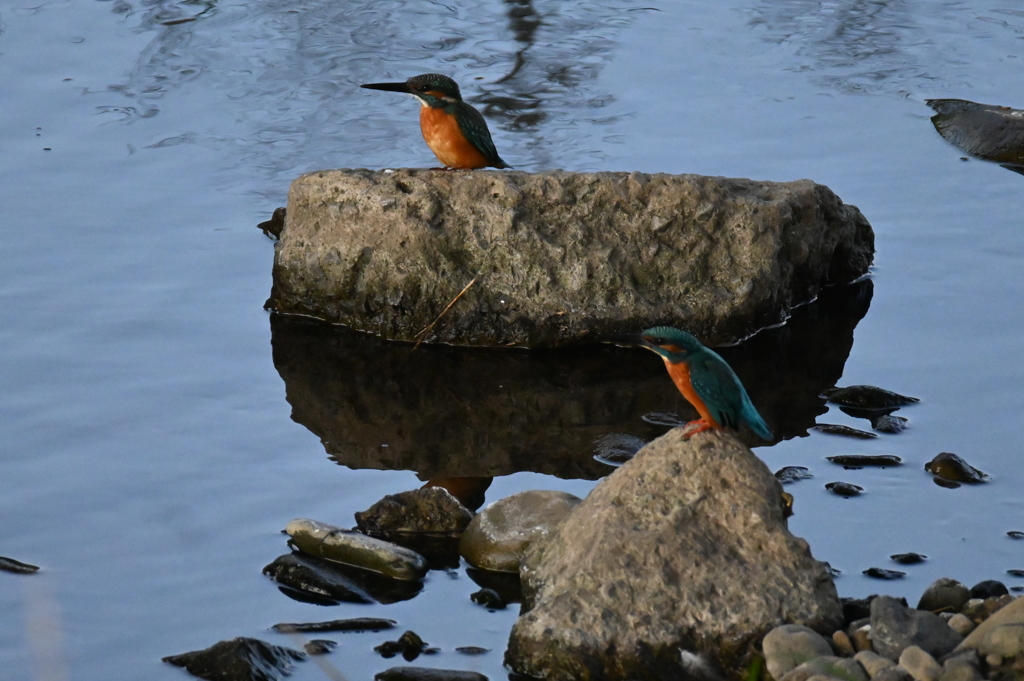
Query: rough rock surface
(944,594)
(895,627)
(499,535)
(432,509)
(559,257)
(1010,614)
(683,548)
(239,659)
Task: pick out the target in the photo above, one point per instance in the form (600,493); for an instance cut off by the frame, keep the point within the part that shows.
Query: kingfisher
(705,380)
(455,131)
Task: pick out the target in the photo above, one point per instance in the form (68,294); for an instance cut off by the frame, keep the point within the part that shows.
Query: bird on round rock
(454,130)
(705,380)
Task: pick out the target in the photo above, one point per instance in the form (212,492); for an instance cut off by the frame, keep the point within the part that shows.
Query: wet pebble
(961,624)
(844,489)
(791,474)
(472,650)
(867,397)
(427,674)
(1015,572)
(409,645)
(862,460)
(944,595)
(847,431)
(790,645)
(882,573)
(615,449)
(427,510)
(319,646)
(239,659)
(489,598)
(873,663)
(353,624)
(888,423)
(990,588)
(920,664)
(356,549)
(949,466)
(1015,534)
(908,558)
(842,643)
(11,565)
(316,578)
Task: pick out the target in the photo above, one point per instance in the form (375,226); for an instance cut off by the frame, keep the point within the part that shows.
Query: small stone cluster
(950,636)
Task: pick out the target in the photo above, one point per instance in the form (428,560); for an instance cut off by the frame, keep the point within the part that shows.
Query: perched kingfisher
(454,131)
(705,380)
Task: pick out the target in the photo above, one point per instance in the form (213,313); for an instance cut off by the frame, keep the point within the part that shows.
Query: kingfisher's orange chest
(680,374)
(442,134)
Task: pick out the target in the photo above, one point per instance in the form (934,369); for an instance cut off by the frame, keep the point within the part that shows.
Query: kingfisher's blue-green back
(712,379)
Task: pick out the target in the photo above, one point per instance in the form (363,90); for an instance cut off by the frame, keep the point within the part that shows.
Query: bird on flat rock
(455,131)
(704,379)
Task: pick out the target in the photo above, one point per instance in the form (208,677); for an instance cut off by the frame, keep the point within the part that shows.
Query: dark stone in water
(506,584)
(836,429)
(1015,534)
(867,397)
(949,466)
(472,650)
(1017,588)
(327,579)
(987,131)
(319,646)
(429,510)
(489,598)
(791,474)
(409,645)
(948,484)
(616,449)
(887,423)
(908,558)
(861,460)
(988,589)
(882,573)
(11,565)
(844,489)
(353,624)
(272,227)
(427,674)
(240,659)
(1015,572)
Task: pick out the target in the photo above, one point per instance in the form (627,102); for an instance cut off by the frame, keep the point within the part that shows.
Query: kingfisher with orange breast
(454,130)
(704,379)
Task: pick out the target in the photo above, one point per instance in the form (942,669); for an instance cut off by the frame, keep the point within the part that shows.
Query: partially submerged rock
(951,467)
(500,534)
(11,565)
(683,548)
(557,257)
(988,131)
(239,659)
(868,398)
(352,624)
(428,510)
(356,549)
(427,674)
(324,582)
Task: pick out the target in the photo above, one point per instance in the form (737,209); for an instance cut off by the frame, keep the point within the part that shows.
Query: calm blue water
(147,449)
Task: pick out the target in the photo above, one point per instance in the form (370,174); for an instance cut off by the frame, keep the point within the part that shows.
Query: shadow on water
(443,411)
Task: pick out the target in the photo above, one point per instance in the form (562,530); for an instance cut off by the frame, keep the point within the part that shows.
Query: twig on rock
(427,329)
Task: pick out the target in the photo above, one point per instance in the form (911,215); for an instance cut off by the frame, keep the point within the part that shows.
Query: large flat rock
(680,555)
(559,257)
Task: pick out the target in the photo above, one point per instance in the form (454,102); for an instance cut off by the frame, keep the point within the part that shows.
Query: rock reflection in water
(445,412)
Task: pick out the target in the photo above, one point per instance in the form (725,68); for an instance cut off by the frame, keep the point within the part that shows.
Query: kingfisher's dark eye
(656,341)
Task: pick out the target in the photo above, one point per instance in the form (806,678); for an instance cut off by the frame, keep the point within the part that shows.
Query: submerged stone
(353,624)
(910,558)
(558,257)
(1015,534)
(988,131)
(791,474)
(11,565)
(356,549)
(239,659)
(409,645)
(889,423)
(951,467)
(319,646)
(862,460)
(427,510)
(500,534)
(489,598)
(844,489)
(867,397)
(615,587)
(427,674)
(836,429)
(883,573)
(326,582)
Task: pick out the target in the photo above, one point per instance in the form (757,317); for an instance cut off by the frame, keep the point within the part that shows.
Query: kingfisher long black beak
(390,87)
(625,340)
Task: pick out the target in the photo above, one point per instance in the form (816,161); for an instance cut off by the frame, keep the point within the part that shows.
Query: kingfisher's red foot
(694,427)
